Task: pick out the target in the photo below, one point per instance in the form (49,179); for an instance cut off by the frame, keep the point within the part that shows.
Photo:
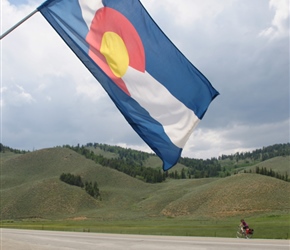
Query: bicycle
(245,234)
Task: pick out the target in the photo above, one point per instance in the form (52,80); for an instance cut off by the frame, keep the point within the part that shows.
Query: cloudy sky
(48,98)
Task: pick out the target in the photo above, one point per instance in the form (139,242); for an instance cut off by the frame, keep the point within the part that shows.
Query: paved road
(14,239)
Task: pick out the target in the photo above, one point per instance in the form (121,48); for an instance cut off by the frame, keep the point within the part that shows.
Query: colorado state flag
(159,92)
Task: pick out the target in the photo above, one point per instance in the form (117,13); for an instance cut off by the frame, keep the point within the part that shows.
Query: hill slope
(30,187)
(242,194)
(280,164)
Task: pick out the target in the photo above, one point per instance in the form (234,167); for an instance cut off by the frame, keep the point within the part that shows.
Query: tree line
(198,168)
(126,165)
(123,153)
(90,187)
(4,149)
(270,173)
(132,162)
(262,154)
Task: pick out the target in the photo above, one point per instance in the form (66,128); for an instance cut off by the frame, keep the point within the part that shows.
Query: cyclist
(244,226)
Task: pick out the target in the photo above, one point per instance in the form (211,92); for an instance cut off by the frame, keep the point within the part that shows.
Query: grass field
(266,227)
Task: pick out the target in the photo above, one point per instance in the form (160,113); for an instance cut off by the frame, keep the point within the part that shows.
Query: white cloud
(16,95)
(88,88)
(207,143)
(280,23)
(187,12)
(23,96)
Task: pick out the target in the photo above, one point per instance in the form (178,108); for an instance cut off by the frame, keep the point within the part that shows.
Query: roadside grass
(266,227)
(272,226)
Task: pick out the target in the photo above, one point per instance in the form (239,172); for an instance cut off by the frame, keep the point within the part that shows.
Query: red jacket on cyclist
(244,226)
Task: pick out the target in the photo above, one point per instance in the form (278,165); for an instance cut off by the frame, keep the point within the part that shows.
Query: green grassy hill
(238,195)
(30,188)
(7,156)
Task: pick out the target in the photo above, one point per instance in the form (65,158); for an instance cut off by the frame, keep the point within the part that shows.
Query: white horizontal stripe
(178,120)
(89,8)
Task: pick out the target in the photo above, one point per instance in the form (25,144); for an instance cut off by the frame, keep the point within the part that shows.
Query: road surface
(14,239)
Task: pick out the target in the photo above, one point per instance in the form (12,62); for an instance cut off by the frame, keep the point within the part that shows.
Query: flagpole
(17,24)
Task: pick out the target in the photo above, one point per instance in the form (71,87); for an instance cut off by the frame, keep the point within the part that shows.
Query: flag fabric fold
(158,91)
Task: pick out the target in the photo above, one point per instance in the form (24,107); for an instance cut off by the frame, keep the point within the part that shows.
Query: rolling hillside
(242,194)
(280,164)
(30,188)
